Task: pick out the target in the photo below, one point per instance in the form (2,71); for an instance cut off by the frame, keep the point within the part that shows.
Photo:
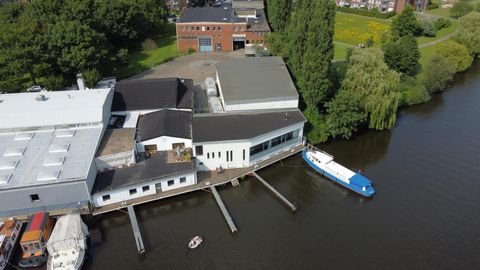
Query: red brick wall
(224,37)
(251,37)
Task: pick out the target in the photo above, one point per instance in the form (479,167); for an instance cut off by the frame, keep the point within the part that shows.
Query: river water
(425,215)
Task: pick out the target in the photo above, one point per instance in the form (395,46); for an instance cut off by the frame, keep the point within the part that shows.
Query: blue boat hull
(333,178)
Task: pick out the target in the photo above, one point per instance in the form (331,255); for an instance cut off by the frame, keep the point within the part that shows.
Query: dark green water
(425,215)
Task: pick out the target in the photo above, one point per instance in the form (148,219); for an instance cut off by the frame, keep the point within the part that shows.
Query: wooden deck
(204,181)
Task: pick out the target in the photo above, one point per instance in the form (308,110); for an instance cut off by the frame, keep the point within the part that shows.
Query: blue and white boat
(324,164)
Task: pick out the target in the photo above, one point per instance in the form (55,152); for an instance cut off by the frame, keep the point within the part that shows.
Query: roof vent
(5,178)
(8,164)
(14,151)
(65,133)
(41,98)
(48,175)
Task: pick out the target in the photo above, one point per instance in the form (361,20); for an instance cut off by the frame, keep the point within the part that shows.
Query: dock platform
(204,181)
(224,210)
(136,230)
(278,194)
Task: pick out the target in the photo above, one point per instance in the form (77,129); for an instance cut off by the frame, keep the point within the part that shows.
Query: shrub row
(366,12)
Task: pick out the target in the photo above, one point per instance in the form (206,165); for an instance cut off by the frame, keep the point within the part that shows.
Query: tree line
(50,41)
(366,90)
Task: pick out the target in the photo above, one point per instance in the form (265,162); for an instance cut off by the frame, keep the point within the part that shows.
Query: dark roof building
(152,168)
(165,123)
(209,14)
(153,94)
(242,126)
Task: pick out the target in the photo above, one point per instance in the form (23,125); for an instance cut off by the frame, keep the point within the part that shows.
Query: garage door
(205,44)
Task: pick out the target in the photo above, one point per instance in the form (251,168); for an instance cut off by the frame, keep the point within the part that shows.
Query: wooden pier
(278,194)
(136,230)
(224,210)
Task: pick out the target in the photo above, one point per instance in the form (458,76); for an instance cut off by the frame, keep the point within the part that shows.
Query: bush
(442,23)
(190,50)
(366,12)
(476,7)
(437,74)
(122,56)
(428,28)
(412,92)
(92,76)
(460,9)
(149,45)
(55,82)
(433,6)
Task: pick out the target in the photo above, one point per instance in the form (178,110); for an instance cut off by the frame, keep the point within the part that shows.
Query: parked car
(35,88)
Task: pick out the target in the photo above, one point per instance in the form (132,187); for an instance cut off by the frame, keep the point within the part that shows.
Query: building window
(188,28)
(208,28)
(228,157)
(231,155)
(133,191)
(219,154)
(208,155)
(198,28)
(106,197)
(234,28)
(34,197)
(219,28)
(183,28)
(214,28)
(199,150)
(213,154)
(243,154)
(145,188)
(170,183)
(183,180)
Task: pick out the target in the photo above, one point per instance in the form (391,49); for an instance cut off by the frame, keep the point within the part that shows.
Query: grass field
(142,60)
(444,12)
(340,52)
(354,29)
(441,33)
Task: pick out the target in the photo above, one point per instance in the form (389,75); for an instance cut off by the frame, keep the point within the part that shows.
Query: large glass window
(199,150)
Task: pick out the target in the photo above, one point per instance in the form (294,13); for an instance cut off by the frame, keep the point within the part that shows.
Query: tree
(460,9)
(279,14)
(375,85)
(76,46)
(412,92)
(92,76)
(402,55)
(438,74)
(406,23)
(314,82)
(297,36)
(456,54)
(468,33)
(345,115)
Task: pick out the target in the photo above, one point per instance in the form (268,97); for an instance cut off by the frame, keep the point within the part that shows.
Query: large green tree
(314,80)
(375,85)
(456,54)
(438,74)
(297,34)
(402,55)
(279,13)
(406,23)
(468,33)
(345,115)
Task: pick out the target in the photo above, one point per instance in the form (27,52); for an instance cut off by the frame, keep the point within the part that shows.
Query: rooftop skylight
(59,148)
(5,178)
(23,136)
(65,133)
(48,175)
(14,151)
(8,164)
(53,161)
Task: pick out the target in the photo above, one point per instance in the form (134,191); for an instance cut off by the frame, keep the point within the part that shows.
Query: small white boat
(195,242)
(67,245)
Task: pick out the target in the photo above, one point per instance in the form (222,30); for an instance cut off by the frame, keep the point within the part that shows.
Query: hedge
(366,12)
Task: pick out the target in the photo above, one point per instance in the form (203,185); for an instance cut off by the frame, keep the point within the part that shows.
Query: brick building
(223,28)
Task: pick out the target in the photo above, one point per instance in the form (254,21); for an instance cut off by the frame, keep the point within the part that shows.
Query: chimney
(80,81)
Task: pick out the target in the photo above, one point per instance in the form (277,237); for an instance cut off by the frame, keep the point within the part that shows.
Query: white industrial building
(256,83)
(239,140)
(48,142)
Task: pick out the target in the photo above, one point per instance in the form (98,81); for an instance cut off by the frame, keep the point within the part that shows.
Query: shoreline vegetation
(385,72)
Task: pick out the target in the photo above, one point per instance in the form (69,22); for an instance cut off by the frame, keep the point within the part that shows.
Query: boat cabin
(9,230)
(34,239)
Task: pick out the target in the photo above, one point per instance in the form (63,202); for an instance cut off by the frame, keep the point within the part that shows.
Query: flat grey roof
(150,169)
(255,79)
(242,126)
(116,141)
(223,14)
(47,156)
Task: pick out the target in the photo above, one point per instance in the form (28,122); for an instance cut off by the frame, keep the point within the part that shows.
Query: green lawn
(441,33)
(142,60)
(354,29)
(340,52)
(444,12)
